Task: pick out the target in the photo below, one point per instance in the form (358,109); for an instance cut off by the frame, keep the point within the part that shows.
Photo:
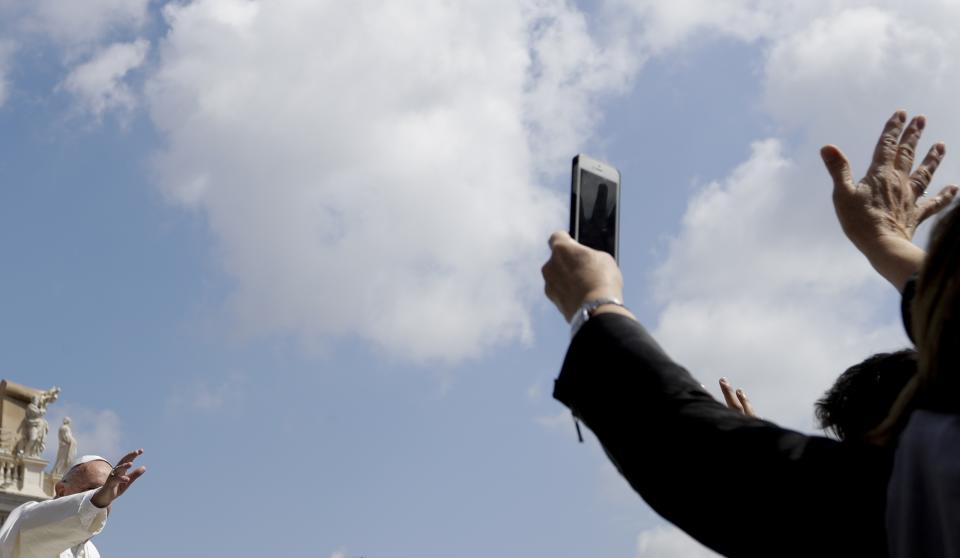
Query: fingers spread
(838,167)
(908,144)
(729,396)
(933,205)
(920,179)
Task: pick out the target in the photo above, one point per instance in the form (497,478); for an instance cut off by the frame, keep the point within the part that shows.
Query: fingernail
(901,116)
(941,148)
(739,392)
(723,380)
(921,122)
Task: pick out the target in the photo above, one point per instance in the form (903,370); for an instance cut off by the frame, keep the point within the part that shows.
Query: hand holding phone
(595,205)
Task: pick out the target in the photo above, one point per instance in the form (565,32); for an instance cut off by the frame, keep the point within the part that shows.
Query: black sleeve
(740,485)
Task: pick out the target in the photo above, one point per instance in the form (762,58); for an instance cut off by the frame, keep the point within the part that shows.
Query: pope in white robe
(62,527)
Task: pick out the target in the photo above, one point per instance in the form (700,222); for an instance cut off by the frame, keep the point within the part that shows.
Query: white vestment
(61,527)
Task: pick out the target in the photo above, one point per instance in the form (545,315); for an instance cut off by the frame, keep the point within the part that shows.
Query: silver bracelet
(583,313)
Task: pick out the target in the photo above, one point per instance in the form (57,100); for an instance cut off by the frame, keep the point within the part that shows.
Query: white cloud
(666,25)
(831,67)
(570,71)
(99,83)
(7,48)
(341,553)
(740,217)
(378,178)
(669,542)
(97,431)
(75,31)
(74,23)
(833,72)
(760,284)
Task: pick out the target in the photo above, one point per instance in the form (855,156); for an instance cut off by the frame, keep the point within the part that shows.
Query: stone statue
(67,451)
(33,430)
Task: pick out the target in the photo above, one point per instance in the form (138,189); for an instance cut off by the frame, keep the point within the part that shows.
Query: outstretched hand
(880,214)
(119,480)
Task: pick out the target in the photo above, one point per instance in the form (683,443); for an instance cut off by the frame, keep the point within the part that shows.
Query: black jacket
(742,486)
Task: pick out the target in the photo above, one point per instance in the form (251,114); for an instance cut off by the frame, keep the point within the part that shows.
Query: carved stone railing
(25,476)
(8,439)
(11,472)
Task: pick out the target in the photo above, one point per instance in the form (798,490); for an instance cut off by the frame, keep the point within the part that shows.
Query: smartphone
(595,205)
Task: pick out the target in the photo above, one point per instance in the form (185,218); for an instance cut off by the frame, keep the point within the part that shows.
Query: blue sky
(297,259)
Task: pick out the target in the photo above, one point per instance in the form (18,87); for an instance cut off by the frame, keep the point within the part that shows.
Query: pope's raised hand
(119,480)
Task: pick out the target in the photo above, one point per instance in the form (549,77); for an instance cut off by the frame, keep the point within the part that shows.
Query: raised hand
(880,214)
(736,400)
(120,479)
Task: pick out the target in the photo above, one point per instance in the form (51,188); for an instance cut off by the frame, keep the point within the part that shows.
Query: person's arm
(740,485)
(44,529)
(48,528)
(881,213)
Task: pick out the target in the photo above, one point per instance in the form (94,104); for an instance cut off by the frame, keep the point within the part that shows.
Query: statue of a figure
(33,430)
(67,451)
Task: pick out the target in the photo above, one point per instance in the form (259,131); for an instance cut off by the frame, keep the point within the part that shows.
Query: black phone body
(595,205)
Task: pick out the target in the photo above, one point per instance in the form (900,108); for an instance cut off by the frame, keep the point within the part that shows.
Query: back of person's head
(936,329)
(863,395)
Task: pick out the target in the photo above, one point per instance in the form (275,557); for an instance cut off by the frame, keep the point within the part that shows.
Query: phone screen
(598,213)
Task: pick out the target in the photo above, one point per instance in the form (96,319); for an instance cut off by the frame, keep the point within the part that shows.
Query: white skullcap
(87,459)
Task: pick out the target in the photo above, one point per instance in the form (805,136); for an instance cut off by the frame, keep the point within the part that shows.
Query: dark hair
(936,327)
(862,396)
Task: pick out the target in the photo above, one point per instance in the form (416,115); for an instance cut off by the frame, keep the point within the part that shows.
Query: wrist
(879,244)
(895,258)
(605,293)
(100,499)
(592,307)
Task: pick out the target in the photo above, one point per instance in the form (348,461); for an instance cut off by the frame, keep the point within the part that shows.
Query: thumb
(838,167)
(559,237)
